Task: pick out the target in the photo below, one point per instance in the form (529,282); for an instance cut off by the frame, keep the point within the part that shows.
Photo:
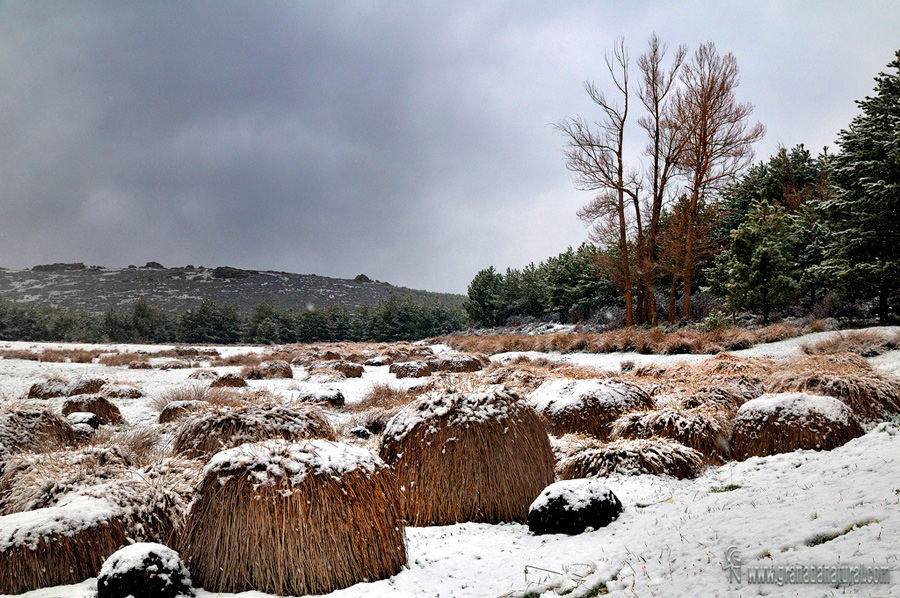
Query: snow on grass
(807,507)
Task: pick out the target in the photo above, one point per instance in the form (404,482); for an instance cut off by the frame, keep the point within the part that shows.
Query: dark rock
(144,570)
(573,506)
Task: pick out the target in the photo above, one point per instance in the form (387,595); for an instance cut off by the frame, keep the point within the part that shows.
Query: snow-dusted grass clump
(657,456)
(210,431)
(784,422)
(587,406)
(294,519)
(468,456)
(705,431)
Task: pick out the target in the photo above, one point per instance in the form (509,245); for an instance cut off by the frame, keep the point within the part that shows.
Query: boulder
(144,570)
(572,506)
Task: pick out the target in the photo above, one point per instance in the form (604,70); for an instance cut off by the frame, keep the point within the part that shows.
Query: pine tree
(756,272)
(864,217)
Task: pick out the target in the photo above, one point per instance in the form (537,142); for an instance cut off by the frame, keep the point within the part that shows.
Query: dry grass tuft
(123,359)
(720,370)
(867,343)
(641,340)
(243,359)
(267,370)
(51,355)
(52,387)
(228,381)
(704,431)
(222,397)
(144,444)
(657,456)
(839,363)
(384,396)
(870,396)
(22,354)
(525,375)
(490,448)
(244,534)
(781,423)
(209,432)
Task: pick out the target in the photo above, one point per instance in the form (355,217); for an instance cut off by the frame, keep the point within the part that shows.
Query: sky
(409,141)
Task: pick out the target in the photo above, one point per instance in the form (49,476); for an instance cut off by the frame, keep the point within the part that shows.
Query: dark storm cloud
(409,141)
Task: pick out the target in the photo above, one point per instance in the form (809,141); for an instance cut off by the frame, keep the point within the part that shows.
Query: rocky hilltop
(97,289)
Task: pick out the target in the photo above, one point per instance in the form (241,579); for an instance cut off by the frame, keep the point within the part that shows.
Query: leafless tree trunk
(597,159)
(666,142)
(719,138)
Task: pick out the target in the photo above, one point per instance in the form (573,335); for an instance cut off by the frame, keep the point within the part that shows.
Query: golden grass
(228,381)
(384,395)
(657,456)
(704,431)
(641,340)
(123,359)
(782,429)
(59,558)
(244,359)
(51,355)
(867,343)
(468,457)
(143,443)
(525,375)
(243,535)
(208,432)
(23,354)
(32,481)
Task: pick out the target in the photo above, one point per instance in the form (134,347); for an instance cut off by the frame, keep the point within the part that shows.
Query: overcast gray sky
(408,141)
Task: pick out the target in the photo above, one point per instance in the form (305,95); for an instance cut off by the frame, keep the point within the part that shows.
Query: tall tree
(597,157)
(666,141)
(719,139)
(864,258)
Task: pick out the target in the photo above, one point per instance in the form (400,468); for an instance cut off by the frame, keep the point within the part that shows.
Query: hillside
(97,289)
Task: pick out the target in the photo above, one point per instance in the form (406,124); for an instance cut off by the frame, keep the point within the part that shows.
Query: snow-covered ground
(805,508)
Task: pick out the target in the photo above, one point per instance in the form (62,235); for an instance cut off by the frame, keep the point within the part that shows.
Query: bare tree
(596,156)
(718,139)
(664,148)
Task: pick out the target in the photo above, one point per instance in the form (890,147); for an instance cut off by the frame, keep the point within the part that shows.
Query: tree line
(791,231)
(394,319)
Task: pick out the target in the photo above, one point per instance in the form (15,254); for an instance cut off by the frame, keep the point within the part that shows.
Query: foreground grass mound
(293,519)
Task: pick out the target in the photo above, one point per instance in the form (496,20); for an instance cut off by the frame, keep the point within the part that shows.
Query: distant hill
(98,289)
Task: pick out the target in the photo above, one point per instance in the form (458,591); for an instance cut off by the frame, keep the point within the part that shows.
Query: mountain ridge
(98,289)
